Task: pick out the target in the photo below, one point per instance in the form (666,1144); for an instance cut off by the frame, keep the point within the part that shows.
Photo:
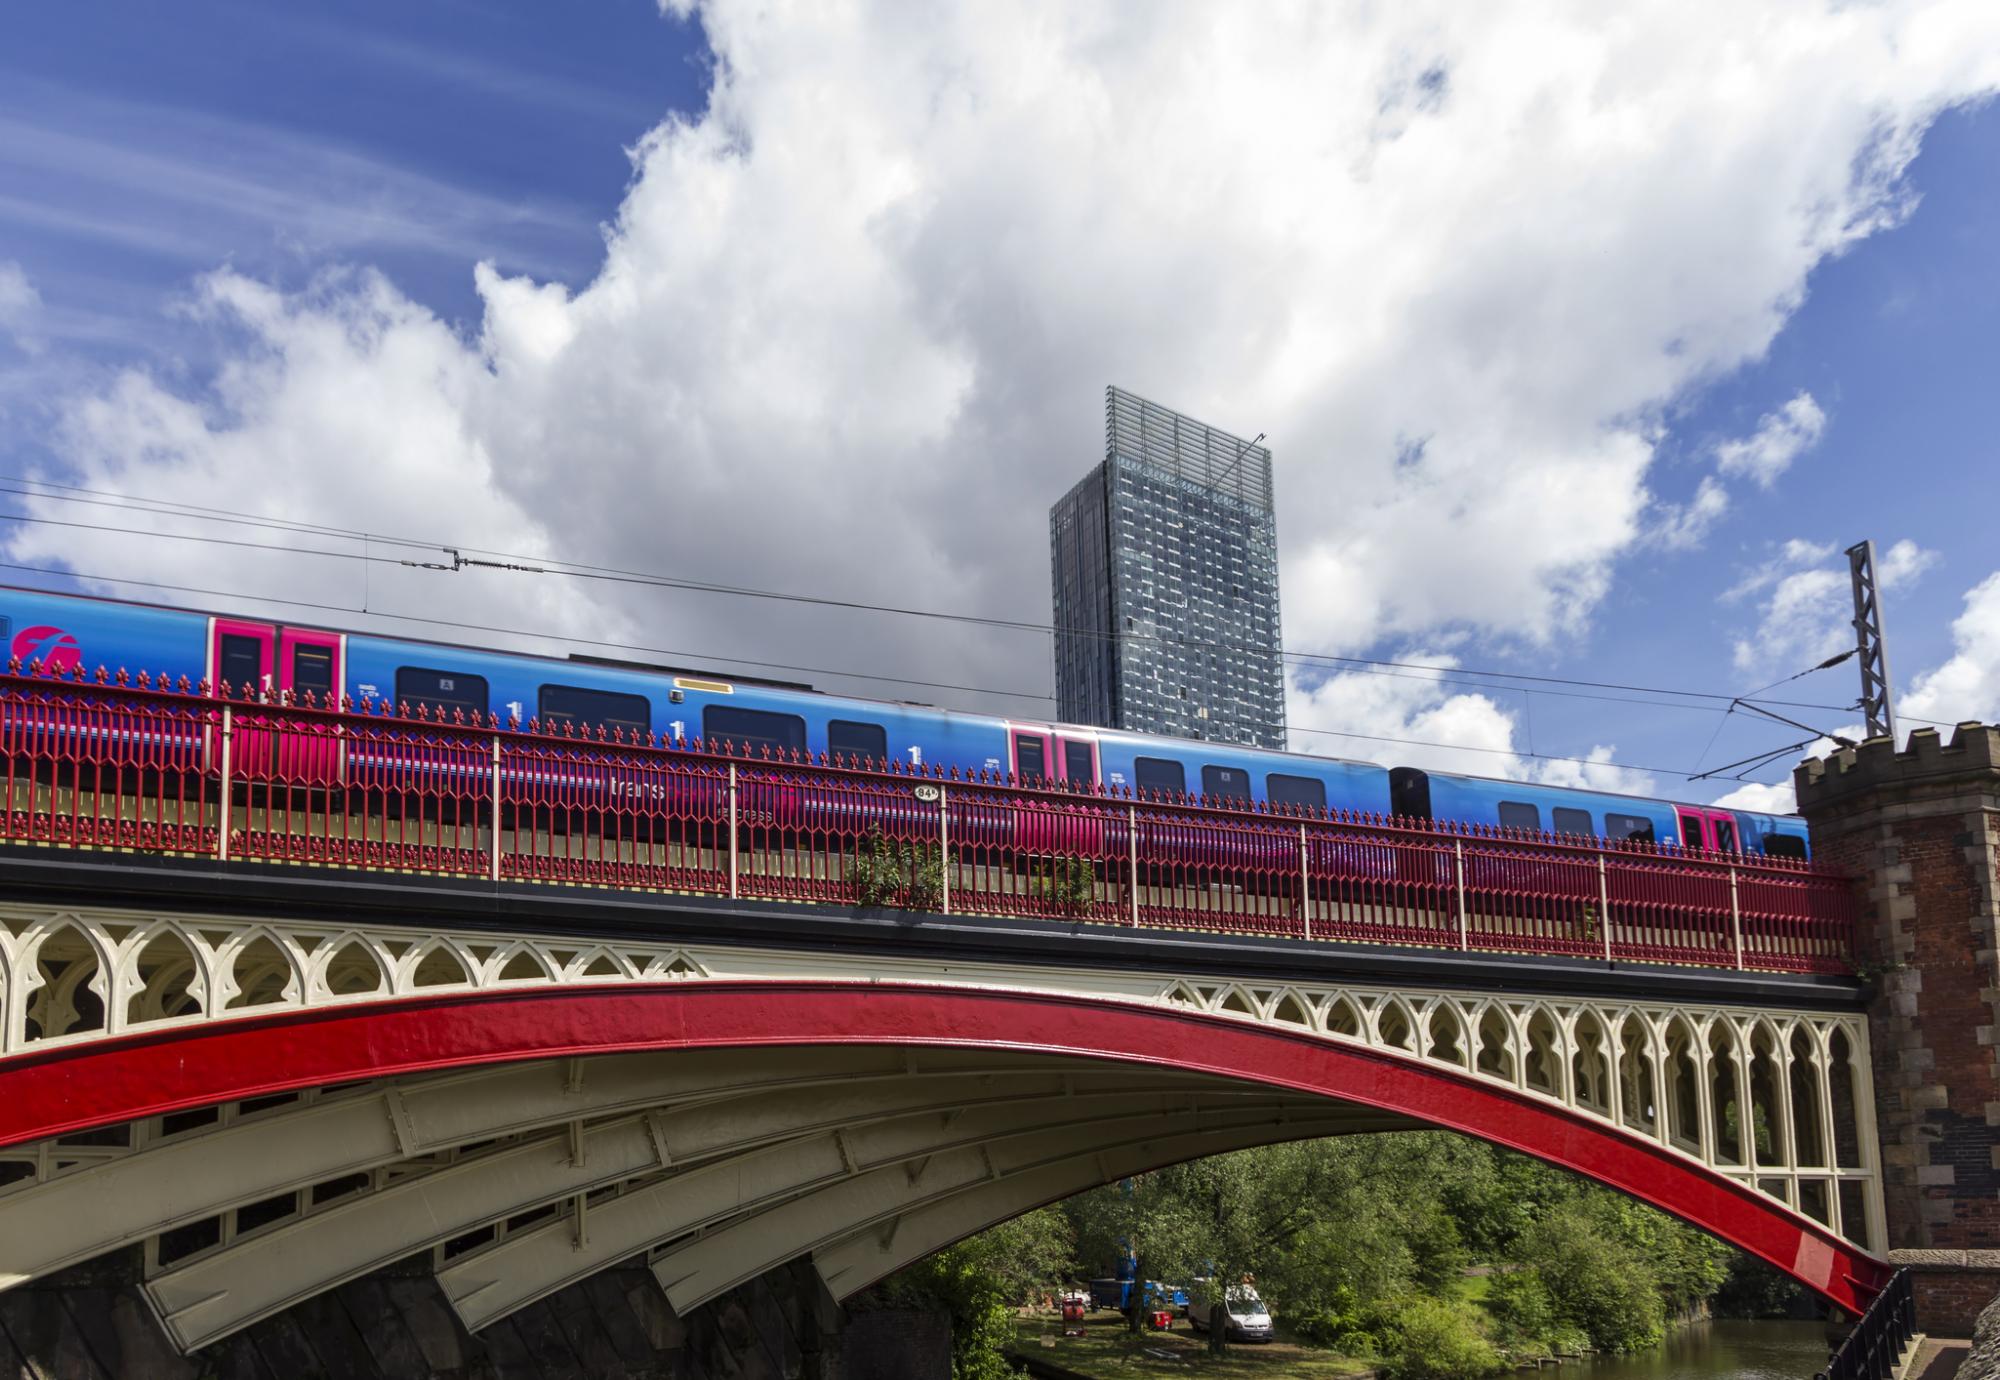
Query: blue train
(71,629)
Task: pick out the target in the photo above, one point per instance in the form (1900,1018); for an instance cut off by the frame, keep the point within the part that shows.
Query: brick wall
(1920,831)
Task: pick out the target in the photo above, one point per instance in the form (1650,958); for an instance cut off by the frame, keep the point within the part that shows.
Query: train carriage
(782,722)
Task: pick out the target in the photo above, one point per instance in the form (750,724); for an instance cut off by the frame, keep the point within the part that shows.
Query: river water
(1719,1351)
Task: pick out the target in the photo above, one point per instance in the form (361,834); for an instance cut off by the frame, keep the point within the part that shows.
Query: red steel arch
(106,1082)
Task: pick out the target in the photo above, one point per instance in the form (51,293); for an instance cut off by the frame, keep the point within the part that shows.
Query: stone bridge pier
(1920,831)
(91,1322)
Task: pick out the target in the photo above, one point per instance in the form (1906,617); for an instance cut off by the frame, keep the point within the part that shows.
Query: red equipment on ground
(1072,1315)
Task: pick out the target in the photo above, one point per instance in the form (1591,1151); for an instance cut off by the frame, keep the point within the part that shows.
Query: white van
(1248,1321)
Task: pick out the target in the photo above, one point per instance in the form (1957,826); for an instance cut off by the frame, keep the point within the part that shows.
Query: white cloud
(346,406)
(854,318)
(1777,798)
(1781,437)
(1807,600)
(1420,719)
(20,307)
(1681,527)
(1967,686)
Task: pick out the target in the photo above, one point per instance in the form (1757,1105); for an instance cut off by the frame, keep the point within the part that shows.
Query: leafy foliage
(1596,1282)
(886,871)
(1437,1339)
(1347,1236)
(979,1281)
(1753,1289)
(1360,1244)
(1066,884)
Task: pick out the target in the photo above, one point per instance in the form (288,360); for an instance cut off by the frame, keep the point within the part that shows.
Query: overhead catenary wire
(1461,677)
(530,564)
(433,621)
(1428,675)
(565,638)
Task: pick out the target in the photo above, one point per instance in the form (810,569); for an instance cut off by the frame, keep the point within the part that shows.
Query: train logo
(58,650)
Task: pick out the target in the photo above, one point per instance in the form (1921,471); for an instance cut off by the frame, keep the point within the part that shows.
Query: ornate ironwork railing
(1874,1349)
(130,763)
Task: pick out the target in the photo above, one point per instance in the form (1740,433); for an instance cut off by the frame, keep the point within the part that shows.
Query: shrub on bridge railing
(885,871)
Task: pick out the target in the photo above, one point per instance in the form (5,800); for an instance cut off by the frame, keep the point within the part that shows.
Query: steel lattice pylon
(1870,649)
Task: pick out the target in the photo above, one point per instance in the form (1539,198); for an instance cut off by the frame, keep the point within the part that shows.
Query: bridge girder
(168,1183)
(1641,1095)
(219,1292)
(812,1176)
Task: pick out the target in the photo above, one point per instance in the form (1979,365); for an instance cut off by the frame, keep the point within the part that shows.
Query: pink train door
(241,660)
(256,661)
(309,666)
(1076,761)
(1028,747)
(1711,831)
(242,656)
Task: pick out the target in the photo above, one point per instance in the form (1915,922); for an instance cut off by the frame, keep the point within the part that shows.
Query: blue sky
(877,286)
(1896,341)
(148,143)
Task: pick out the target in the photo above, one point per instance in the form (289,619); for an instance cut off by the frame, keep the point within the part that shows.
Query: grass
(1107,1351)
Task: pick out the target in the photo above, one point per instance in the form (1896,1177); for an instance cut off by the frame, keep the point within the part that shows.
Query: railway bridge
(338,1040)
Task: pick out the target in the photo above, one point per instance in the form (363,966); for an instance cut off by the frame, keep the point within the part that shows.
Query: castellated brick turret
(1920,831)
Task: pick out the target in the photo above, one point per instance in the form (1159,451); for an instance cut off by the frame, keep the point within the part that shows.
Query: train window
(1635,827)
(754,727)
(1568,821)
(241,662)
(572,704)
(1225,783)
(446,690)
(1159,775)
(1030,760)
(1725,834)
(1077,766)
(1515,815)
(1295,790)
(1785,846)
(1409,793)
(849,739)
(312,669)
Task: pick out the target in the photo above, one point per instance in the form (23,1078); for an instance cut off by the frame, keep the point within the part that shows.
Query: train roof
(1188,745)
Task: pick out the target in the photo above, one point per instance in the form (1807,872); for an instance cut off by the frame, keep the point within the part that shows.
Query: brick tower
(1920,830)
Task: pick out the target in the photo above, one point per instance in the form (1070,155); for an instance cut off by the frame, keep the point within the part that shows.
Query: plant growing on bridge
(1065,884)
(885,871)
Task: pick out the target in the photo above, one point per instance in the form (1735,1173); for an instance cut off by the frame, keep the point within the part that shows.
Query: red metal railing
(131,763)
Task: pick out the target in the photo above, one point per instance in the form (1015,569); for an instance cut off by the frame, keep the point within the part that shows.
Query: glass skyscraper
(1165,562)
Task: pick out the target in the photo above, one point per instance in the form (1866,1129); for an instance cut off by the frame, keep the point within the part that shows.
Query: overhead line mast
(1870,649)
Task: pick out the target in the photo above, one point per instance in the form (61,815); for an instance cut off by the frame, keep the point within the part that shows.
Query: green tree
(1595,1282)
(1437,1339)
(1347,1237)
(1210,1222)
(979,1282)
(1753,1289)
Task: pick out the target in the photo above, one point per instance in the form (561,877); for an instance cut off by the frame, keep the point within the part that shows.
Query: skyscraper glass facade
(1165,566)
